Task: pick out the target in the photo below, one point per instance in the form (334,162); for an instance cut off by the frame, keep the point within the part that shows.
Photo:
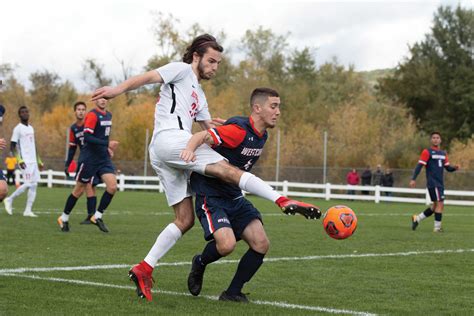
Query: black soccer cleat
(195,276)
(99,223)
(414,222)
(309,211)
(63,225)
(87,221)
(239,298)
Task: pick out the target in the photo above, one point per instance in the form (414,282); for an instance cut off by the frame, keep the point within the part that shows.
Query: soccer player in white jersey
(23,147)
(181,102)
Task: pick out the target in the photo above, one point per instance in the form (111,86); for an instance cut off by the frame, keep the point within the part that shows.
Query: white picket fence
(326,191)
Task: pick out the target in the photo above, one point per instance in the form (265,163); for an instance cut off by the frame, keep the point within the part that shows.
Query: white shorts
(165,148)
(31,173)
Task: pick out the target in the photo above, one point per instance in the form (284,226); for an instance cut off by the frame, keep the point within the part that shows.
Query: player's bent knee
(226,246)
(185,223)
(261,246)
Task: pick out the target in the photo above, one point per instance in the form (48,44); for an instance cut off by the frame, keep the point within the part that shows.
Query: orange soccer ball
(340,222)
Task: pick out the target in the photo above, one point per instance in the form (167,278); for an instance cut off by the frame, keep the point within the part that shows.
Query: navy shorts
(216,212)
(91,172)
(436,194)
(2,176)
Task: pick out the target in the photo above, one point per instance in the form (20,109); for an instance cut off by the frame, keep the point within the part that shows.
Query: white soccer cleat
(30,214)
(8,206)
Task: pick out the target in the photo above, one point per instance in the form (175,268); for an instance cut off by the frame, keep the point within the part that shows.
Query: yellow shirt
(10,162)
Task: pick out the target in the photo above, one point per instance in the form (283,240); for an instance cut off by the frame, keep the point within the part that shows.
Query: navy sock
(210,253)
(70,203)
(91,204)
(248,265)
(105,201)
(438,217)
(428,212)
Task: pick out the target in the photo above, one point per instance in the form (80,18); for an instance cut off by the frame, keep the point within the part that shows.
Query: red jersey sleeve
(446,161)
(90,123)
(229,136)
(424,157)
(72,138)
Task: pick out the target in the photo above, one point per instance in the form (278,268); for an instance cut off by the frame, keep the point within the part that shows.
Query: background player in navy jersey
(94,159)
(182,101)
(76,140)
(435,160)
(225,215)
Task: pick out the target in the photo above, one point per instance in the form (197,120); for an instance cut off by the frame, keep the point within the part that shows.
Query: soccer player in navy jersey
(182,102)
(435,160)
(94,159)
(225,215)
(76,140)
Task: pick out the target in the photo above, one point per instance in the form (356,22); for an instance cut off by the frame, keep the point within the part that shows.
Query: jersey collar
(254,129)
(103,112)
(435,148)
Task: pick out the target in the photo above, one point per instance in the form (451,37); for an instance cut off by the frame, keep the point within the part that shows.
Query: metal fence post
(285,188)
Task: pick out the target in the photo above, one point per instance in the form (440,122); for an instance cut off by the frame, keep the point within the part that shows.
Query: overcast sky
(60,35)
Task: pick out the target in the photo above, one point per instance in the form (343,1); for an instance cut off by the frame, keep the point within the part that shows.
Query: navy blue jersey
(97,127)
(241,144)
(76,139)
(76,135)
(435,160)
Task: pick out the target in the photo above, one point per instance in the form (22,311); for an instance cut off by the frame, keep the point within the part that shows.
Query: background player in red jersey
(225,215)
(94,159)
(435,160)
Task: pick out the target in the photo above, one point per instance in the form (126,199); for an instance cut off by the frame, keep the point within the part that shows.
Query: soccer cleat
(291,207)
(99,223)
(87,221)
(143,281)
(8,206)
(30,214)
(438,230)
(63,225)
(195,276)
(414,222)
(240,298)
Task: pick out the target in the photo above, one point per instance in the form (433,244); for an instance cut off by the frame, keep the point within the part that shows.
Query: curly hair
(200,45)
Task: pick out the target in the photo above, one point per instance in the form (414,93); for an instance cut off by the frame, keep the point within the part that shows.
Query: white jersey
(24,136)
(182,99)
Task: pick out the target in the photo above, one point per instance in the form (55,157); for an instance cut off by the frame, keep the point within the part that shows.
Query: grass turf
(400,284)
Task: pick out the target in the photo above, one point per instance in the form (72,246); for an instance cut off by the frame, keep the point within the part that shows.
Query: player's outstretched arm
(194,142)
(131,83)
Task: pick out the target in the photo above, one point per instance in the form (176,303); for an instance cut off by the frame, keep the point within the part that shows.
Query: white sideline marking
(209,297)
(277,259)
(167,213)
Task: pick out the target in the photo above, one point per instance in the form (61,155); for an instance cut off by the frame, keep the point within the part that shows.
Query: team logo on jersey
(195,105)
(251,138)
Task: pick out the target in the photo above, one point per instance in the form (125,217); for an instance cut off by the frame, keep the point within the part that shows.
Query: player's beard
(201,72)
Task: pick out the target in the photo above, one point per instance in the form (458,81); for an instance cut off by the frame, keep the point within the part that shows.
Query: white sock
(22,188)
(437,225)
(31,198)
(250,183)
(97,214)
(64,217)
(166,239)
(420,217)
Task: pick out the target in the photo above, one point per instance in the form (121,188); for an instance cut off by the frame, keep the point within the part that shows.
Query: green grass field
(385,268)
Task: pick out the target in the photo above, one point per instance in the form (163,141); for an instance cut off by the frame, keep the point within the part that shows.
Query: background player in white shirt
(23,147)
(181,102)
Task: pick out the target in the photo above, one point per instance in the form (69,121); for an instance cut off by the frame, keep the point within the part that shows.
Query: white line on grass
(276,259)
(209,297)
(166,213)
